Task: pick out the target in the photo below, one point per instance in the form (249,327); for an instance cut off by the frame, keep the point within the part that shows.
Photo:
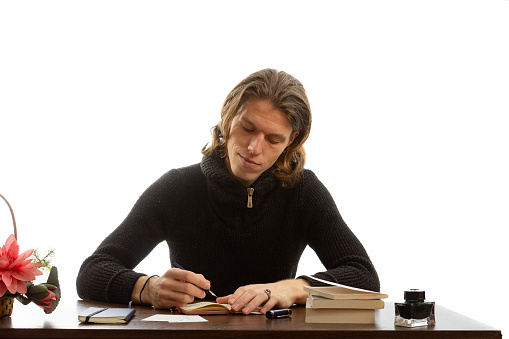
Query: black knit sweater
(201,212)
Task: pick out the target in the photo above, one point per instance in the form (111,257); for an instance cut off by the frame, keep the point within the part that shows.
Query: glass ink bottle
(414,311)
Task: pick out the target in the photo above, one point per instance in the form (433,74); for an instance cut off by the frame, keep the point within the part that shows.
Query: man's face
(258,135)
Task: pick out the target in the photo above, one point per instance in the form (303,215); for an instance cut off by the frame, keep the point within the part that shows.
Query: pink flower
(15,268)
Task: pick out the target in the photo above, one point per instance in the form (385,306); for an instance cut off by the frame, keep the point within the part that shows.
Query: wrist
(145,299)
(300,294)
(141,291)
(294,290)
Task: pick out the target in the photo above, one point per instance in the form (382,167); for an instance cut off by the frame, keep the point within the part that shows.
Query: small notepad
(106,315)
(205,308)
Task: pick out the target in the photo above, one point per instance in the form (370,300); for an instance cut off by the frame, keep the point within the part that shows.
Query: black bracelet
(143,288)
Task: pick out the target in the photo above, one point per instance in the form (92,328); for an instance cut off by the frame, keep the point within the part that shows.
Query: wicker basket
(7,303)
(6,307)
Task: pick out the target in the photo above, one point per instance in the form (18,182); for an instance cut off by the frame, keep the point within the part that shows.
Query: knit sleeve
(344,257)
(108,275)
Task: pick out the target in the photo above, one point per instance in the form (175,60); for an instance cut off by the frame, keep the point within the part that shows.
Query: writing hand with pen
(176,287)
(207,290)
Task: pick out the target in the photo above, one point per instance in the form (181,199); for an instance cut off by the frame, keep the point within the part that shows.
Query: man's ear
(292,137)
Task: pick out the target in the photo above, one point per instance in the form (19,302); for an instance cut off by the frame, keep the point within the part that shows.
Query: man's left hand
(283,294)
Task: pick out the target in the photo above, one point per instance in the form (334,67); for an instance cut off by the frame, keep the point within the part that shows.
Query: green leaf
(22,299)
(38,302)
(38,296)
(53,277)
(55,304)
(35,289)
(58,293)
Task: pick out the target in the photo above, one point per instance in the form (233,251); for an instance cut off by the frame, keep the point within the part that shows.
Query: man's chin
(246,180)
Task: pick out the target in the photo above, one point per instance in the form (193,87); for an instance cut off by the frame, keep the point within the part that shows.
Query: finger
(232,298)
(246,295)
(258,300)
(165,296)
(170,288)
(270,304)
(191,277)
(182,287)
(224,300)
(168,299)
(189,289)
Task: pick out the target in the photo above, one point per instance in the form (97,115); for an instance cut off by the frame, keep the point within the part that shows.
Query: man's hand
(176,287)
(283,294)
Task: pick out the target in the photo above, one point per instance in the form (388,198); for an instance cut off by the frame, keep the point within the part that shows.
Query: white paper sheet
(176,318)
(336,284)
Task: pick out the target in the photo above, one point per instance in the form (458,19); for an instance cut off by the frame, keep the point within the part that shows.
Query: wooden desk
(31,322)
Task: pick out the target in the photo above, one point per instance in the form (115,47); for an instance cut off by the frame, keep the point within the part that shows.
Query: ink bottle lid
(415,295)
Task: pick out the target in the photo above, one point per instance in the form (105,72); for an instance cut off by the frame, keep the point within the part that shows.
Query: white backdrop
(410,98)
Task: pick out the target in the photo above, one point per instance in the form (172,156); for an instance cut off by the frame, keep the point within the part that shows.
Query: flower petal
(4,263)
(23,276)
(22,287)
(3,288)
(11,248)
(11,241)
(13,286)
(7,278)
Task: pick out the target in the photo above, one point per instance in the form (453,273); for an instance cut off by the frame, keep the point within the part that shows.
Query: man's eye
(274,141)
(247,129)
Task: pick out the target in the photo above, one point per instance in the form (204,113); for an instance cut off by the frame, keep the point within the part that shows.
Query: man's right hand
(176,287)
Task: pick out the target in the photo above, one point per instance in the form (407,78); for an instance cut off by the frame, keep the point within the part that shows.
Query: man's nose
(256,144)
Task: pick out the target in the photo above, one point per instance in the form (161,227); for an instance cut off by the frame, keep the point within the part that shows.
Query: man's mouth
(249,161)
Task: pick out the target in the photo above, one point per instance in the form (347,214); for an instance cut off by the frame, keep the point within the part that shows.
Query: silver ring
(268,293)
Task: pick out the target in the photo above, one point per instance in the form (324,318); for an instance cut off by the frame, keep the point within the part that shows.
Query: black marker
(274,314)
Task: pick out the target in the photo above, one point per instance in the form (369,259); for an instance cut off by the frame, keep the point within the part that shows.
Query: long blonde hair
(285,93)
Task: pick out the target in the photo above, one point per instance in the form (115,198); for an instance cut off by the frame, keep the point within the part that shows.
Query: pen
(177,265)
(274,314)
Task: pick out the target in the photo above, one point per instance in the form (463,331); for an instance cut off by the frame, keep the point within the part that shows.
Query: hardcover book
(106,315)
(339,315)
(343,292)
(316,301)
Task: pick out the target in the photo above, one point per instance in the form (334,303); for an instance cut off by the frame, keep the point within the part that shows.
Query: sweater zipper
(250,192)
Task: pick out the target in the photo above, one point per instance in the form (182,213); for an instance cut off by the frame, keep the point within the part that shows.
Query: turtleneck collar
(228,191)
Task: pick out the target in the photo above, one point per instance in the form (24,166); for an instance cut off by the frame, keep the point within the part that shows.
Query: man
(238,221)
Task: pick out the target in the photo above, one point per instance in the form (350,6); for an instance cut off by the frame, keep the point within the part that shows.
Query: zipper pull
(250,192)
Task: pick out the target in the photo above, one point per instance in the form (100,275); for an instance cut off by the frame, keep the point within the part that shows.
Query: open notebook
(204,308)
(207,308)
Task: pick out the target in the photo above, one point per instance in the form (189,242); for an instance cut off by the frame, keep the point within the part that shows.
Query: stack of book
(342,305)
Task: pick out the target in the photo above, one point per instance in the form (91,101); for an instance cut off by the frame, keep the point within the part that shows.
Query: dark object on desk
(106,315)
(414,311)
(274,314)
